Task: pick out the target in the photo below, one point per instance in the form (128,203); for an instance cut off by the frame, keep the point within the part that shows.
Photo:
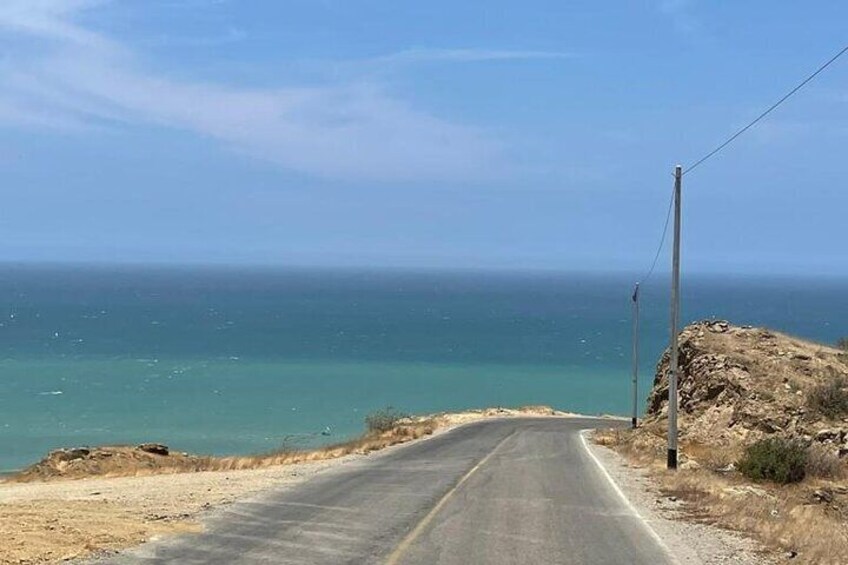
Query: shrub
(384,420)
(824,463)
(830,398)
(774,459)
(842,343)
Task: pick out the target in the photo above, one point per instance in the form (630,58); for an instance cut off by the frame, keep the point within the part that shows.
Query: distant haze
(533,135)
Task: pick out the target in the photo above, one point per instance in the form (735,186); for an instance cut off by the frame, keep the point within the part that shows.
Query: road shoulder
(688,541)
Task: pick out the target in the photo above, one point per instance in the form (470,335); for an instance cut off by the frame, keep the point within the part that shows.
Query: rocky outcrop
(154,448)
(741,383)
(80,462)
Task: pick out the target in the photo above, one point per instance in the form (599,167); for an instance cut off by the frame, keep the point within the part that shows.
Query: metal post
(633,420)
(675,319)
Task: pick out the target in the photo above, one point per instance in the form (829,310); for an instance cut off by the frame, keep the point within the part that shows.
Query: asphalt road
(496,492)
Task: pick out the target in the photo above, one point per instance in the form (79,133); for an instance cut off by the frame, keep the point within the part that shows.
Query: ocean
(224,361)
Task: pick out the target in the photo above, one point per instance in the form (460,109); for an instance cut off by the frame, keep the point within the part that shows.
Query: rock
(154,448)
(690,465)
(747,490)
(719,327)
(830,435)
(822,496)
(737,385)
(69,454)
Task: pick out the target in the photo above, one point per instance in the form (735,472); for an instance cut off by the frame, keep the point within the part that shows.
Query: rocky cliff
(738,384)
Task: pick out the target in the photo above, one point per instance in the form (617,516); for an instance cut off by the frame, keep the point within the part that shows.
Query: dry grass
(810,517)
(830,397)
(823,463)
(124,461)
(782,518)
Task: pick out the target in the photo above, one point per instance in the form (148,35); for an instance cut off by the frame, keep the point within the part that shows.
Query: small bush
(774,459)
(842,343)
(830,398)
(824,463)
(384,420)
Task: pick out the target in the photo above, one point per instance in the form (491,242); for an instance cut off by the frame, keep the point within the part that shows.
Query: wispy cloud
(422,55)
(75,77)
(227,37)
(681,14)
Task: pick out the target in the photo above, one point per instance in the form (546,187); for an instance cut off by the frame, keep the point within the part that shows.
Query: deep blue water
(235,361)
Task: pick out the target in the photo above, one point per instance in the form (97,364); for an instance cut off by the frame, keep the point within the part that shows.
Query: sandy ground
(44,522)
(690,542)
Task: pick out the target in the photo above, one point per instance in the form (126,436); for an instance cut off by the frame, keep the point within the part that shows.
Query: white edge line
(623,497)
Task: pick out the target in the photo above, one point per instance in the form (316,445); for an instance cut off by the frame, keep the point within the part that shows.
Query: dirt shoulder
(690,541)
(50,518)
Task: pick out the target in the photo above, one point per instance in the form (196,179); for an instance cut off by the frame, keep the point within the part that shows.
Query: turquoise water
(224,361)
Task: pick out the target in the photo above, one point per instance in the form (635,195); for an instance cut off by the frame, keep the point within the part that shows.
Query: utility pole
(675,319)
(633,420)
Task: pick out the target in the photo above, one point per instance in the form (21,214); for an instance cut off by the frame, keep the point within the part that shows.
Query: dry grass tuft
(829,398)
(823,463)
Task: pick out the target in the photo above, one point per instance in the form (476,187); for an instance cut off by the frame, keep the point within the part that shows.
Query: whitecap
(50,393)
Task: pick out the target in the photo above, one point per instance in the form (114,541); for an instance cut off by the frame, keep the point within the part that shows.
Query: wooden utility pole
(675,320)
(633,420)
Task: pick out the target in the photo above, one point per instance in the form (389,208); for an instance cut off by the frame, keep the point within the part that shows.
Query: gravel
(689,542)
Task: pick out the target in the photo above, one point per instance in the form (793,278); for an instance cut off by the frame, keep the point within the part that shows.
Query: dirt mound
(738,384)
(82,462)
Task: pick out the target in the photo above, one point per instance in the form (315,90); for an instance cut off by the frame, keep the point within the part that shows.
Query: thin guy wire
(767,112)
(662,241)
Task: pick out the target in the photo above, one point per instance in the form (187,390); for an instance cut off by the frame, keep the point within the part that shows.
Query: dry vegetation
(385,428)
(772,403)
(105,499)
(121,461)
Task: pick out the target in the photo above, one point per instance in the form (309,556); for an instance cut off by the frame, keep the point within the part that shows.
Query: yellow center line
(404,545)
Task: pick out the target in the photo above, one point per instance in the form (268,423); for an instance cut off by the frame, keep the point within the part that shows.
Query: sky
(504,135)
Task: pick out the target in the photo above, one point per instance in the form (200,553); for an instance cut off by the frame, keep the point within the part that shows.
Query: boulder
(154,448)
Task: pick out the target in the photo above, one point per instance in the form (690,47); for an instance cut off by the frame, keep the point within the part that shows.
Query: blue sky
(535,134)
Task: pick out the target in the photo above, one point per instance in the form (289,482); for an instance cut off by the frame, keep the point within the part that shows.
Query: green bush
(830,398)
(774,459)
(384,420)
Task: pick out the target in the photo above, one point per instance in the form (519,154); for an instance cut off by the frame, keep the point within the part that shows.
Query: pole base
(672,459)
(633,423)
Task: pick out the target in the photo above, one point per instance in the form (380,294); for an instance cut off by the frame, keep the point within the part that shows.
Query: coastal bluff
(738,384)
(763,439)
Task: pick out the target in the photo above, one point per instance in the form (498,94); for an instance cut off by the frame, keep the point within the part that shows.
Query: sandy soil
(44,522)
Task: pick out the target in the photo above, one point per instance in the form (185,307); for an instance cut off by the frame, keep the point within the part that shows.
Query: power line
(767,112)
(727,142)
(662,241)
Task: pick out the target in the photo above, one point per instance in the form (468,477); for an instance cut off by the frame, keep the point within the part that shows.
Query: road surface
(505,491)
